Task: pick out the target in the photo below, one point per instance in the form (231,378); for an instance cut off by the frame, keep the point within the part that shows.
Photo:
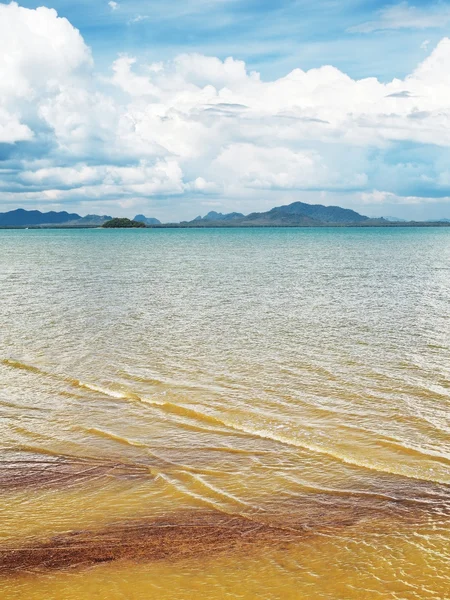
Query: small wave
(21,407)
(180,488)
(110,436)
(264,434)
(15,364)
(101,390)
(260,432)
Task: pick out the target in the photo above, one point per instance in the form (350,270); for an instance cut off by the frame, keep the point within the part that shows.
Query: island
(122,223)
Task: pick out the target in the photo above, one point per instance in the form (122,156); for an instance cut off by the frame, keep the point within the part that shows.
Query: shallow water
(225,414)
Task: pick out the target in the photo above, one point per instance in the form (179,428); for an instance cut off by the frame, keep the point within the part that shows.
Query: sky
(175,108)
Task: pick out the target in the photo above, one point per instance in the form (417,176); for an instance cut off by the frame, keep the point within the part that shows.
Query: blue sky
(133,106)
(273,37)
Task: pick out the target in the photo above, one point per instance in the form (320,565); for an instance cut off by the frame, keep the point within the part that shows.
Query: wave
(247,429)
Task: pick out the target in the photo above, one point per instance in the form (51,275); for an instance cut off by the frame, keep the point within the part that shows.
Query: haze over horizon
(175,110)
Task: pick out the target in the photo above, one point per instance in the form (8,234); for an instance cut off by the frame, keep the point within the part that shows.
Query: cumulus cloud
(39,53)
(280,168)
(198,125)
(163,176)
(39,49)
(11,129)
(406,16)
(113,5)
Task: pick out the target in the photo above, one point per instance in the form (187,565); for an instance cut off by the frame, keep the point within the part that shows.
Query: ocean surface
(234,413)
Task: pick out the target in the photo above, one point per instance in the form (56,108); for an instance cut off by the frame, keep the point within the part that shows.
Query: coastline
(407,225)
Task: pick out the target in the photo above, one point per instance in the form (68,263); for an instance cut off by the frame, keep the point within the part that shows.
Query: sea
(225,413)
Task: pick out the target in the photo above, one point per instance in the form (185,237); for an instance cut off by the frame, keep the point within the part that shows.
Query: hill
(215,216)
(36,218)
(147,220)
(122,223)
(394,219)
(90,221)
(25,218)
(297,214)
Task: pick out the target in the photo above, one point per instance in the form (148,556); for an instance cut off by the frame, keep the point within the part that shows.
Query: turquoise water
(296,378)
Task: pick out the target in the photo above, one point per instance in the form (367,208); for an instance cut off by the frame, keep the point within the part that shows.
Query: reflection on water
(225,413)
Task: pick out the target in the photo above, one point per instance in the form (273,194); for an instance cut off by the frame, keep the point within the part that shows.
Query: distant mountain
(147,220)
(394,219)
(215,216)
(92,220)
(308,214)
(25,218)
(36,218)
(296,214)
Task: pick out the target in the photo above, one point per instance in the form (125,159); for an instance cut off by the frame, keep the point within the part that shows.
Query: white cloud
(379,197)
(198,105)
(64,176)
(406,16)
(162,176)
(113,5)
(202,186)
(138,19)
(39,52)
(135,85)
(247,165)
(11,129)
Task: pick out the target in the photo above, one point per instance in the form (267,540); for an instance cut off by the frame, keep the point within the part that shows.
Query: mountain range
(215,216)
(297,214)
(147,220)
(36,218)
(300,214)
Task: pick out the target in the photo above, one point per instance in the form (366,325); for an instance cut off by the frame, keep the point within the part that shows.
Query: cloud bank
(168,137)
